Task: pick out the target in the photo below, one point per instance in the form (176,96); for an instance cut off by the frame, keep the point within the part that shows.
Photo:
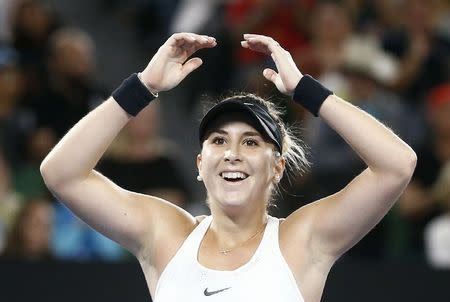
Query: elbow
(46,172)
(49,173)
(407,165)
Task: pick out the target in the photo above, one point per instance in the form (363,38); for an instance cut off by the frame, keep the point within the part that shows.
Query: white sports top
(266,277)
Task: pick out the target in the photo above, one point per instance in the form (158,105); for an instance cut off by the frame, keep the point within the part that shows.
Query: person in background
(422,49)
(26,177)
(139,160)
(32,22)
(29,237)
(10,200)
(417,206)
(437,231)
(14,124)
(70,89)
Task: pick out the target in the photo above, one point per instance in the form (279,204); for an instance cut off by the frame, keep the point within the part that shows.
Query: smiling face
(238,166)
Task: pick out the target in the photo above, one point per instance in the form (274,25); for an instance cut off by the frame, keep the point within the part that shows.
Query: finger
(263,44)
(245,44)
(191,65)
(205,42)
(255,36)
(270,74)
(256,45)
(199,43)
(180,39)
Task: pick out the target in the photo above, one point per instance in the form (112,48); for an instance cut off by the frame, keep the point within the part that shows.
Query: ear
(199,162)
(280,165)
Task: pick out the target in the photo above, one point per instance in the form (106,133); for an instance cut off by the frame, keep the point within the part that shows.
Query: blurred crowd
(390,58)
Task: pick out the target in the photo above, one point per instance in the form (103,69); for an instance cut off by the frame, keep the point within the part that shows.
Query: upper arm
(133,220)
(335,223)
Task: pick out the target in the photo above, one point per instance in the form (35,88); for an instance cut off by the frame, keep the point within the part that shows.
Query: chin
(232,198)
(236,200)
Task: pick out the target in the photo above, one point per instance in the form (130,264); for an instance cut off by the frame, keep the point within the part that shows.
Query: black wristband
(310,94)
(132,95)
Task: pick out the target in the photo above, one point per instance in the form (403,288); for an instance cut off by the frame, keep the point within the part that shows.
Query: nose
(231,155)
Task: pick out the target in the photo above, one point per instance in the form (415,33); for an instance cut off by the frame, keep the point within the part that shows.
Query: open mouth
(233,176)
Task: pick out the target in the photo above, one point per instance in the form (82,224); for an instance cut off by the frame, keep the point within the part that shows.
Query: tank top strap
(192,243)
(269,243)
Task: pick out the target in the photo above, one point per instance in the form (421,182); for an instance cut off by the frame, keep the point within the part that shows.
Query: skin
(154,229)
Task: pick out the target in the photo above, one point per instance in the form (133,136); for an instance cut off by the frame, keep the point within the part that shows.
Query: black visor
(256,113)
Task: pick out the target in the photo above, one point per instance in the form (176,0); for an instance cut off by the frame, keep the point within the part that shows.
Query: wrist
(310,94)
(153,91)
(132,95)
(292,91)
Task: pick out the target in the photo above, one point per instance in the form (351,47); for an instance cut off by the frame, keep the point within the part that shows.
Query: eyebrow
(246,133)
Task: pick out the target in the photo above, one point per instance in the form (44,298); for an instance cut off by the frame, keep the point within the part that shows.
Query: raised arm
(131,219)
(335,223)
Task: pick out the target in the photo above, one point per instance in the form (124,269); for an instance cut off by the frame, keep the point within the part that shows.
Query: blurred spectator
(29,238)
(14,123)
(365,71)
(151,19)
(196,16)
(72,239)
(10,200)
(437,232)
(140,160)
(27,178)
(70,91)
(329,30)
(417,206)
(285,21)
(424,52)
(32,22)
(443,18)
(5,14)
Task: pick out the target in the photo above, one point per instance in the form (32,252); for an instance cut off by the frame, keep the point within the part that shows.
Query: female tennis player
(239,252)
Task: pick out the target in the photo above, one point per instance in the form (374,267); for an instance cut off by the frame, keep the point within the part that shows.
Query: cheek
(208,162)
(264,165)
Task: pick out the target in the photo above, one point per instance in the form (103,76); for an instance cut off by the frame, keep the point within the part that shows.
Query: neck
(229,231)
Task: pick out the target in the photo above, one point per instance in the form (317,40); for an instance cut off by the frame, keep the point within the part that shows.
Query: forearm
(378,146)
(81,148)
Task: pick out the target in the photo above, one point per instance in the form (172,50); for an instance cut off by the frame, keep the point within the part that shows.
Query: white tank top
(266,277)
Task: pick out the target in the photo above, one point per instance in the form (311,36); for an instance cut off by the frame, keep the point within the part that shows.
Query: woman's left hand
(288,75)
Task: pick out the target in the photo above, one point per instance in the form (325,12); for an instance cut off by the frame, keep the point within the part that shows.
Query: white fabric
(266,277)
(437,241)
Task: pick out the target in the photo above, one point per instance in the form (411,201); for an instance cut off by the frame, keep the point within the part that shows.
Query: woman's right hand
(169,67)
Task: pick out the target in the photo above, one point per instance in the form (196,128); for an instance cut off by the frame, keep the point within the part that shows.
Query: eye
(250,142)
(218,140)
